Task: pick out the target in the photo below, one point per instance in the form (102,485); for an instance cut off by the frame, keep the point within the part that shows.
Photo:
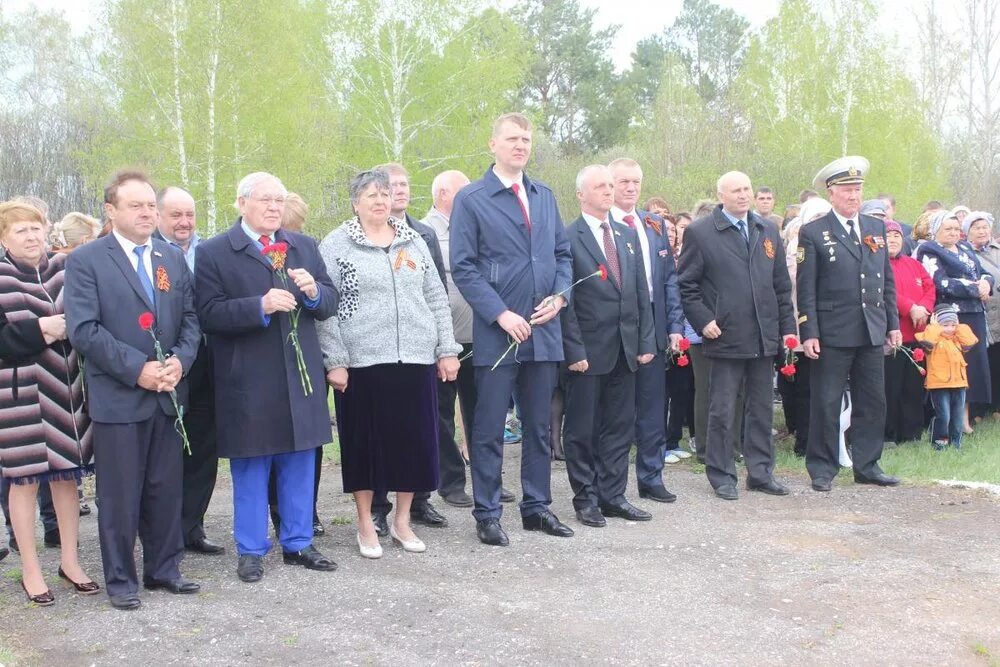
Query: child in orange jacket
(946,376)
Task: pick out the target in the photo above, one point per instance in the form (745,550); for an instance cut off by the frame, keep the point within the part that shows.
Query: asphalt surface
(859,576)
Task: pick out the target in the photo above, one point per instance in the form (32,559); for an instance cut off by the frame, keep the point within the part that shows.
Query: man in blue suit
(668,323)
(138,453)
(510,259)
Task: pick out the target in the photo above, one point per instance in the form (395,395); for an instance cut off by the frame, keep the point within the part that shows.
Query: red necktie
(630,221)
(612,255)
(516,187)
(265,240)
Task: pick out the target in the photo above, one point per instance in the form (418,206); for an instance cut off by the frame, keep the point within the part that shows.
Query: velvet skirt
(387,421)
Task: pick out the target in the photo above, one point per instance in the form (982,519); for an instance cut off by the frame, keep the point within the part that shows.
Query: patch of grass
(7,657)
(290,640)
(13,574)
(341,521)
(981,651)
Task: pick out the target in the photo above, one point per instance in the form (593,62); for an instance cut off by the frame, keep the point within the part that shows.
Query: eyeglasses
(267,201)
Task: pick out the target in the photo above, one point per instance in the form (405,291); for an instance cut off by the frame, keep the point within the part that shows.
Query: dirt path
(859,576)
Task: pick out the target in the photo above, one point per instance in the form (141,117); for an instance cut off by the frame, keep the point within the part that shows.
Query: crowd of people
(142,353)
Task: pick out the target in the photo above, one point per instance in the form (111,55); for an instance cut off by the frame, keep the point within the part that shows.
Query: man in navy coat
(668,325)
(138,453)
(265,419)
(510,259)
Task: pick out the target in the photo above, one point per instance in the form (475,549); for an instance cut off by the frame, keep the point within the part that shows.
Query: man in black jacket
(847,303)
(736,291)
(607,333)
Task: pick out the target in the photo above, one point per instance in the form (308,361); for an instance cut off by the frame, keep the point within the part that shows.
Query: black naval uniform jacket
(846,291)
(743,286)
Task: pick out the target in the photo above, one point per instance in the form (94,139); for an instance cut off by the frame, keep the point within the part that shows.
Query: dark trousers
(450,461)
(829,376)
(701,369)
(726,378)
(650,436)
(993,355)
(45,507)
(795,400)
(533,382)
(201,466)
(139,478)
(600,421)
(904,399)
(679,408)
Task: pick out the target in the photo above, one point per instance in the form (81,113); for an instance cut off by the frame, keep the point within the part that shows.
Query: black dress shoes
(426,515)
(727,492)
(250,568)
(310,558)
(381,524)
(822,485)
(770,487)
(125,602)
(3,552)
(880,479)
(178,586)
(457,499)
(548,523)
(52,539)
(203,545)
(318,528)
(626,510)
(591,516)
(12,543)
(657,493)
(490,532)
(85,509)
(506,496)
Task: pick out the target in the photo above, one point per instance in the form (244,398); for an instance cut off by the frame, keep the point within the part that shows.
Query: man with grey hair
(256,285)
(452,466)
(607,335)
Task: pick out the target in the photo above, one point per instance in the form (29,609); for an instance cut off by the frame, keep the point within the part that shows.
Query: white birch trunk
(211,205)
(175,54)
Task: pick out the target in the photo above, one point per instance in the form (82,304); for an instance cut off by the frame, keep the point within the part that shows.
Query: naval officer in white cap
(847,311)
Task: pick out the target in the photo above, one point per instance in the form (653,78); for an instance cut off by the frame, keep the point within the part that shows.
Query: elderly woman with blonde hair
(296,212)
(73,231)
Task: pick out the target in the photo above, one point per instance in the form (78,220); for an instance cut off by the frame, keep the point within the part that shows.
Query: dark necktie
(852,233)
(140,269)
(742,226)
(612,255)
(516,187)
(630,221)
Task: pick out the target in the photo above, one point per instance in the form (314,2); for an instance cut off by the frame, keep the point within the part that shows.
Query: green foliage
(709,40)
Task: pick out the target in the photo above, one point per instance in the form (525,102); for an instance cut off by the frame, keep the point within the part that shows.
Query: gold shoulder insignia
(803,319)
(800,254)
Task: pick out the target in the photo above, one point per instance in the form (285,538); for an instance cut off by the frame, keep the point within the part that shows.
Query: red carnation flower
(683,360)
(788,370)
(146,321)
(603,270)
(918,354)
(791,342)
(684,345)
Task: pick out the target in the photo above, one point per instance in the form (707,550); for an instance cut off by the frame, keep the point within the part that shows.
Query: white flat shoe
(680,453)
(369,552)
(414,546)
(671,458)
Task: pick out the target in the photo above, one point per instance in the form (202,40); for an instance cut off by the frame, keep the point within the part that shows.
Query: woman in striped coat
(44,431)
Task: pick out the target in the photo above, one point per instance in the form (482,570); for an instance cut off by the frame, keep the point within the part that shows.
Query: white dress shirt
(843,223)
(640,231)
(595,228)
(522,193)
(147,255)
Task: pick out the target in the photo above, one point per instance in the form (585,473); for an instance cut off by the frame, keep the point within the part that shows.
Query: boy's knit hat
(946,313)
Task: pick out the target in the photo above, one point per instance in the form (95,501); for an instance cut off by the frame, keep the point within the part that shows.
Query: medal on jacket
(769,248)
(629,246)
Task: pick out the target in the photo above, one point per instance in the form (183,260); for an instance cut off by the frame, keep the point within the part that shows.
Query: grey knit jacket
(393,307)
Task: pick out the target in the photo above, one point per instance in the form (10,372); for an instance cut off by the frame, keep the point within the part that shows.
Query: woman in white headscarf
(979,227)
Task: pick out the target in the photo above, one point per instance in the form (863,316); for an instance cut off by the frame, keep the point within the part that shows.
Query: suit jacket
(603,320)
(743,286)
(667,311)
(846,291)
(261,408)
(429,236)
(103,300)
(498,266)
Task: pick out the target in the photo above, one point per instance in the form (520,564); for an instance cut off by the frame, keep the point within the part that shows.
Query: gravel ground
(859,576)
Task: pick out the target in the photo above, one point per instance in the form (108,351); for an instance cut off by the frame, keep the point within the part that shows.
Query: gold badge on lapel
(162,279)
(769,248)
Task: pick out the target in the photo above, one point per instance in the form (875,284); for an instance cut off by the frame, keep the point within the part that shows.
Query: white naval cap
(846,170)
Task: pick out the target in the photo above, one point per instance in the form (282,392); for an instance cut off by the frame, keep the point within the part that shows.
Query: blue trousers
(294,472)
(650,431)
(949,415)
(533,382)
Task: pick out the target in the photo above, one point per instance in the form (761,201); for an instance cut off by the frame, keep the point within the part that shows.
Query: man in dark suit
(177,226)
(266,418)
(737,293)
(607,334)
(668,325)
(421,511)
(511,260)
(138,453)
(847,312)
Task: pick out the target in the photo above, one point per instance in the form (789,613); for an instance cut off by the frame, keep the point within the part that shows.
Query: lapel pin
(629,246)
(156,253)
